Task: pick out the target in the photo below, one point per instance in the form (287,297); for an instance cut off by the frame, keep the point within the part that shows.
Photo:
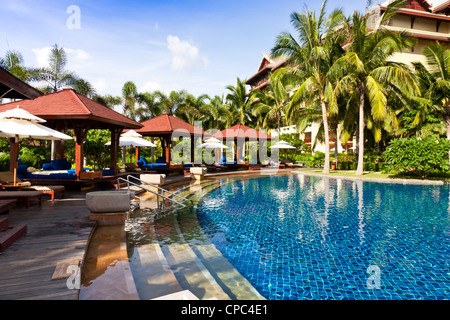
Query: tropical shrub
(419,156)
(4,162)
(96,152)
(317,160)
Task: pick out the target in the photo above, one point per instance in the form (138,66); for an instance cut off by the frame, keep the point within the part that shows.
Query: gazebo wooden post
(192,148)
(13,153)
(167,147)
(80,138)
(115,136)
(59,144)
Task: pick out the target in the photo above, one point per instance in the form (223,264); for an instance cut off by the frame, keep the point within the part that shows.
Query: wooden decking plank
(57,231)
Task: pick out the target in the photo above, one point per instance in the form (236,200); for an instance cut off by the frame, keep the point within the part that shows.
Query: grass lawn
(374,175)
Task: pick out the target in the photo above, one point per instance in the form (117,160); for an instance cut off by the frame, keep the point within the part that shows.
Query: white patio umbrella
(131,139)
(19,123)
(282,145)
(212,143)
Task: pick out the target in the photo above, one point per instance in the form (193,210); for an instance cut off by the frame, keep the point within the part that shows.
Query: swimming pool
(304,237)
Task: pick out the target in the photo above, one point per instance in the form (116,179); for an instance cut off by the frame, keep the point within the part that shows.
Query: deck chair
(7,177)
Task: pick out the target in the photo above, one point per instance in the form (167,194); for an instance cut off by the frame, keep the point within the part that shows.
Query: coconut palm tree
(129,93)
(148,106)
(189,110)
(108,100)
(84,87)
(55,74)
(13,63)
(239,101)
(216,114)
(171,102)
(273,101)
(366,72)
(434,79)
(314,52)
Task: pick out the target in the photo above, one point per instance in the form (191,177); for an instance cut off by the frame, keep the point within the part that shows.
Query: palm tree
(367,74)
(273,101)
(189,110)
(129,93)
(170,103)
(149,106)
(55,74)
(84,87)
(239,101)
(314,53)
(434,80)
(13,63)
(108,100)
(216,114)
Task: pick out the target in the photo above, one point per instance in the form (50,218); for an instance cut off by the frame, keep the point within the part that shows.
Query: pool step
(232,281)
(192,273)
(152,275)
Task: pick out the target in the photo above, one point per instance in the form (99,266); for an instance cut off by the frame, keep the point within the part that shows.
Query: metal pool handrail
(149,190)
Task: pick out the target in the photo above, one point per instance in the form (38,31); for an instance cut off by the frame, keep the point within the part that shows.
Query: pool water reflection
(301,237)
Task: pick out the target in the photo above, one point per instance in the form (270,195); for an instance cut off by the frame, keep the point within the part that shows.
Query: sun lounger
(52,190)
(27,197)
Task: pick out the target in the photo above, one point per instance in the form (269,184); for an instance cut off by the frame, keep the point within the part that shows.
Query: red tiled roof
(242,131)
(167,124)
(68,104)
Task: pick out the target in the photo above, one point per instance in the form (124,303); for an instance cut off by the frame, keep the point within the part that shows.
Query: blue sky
(200,46)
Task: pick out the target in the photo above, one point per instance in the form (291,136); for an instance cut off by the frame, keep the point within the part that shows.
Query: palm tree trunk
(447,126)
(326,165)
(360,168)
(336,145)
(278,123)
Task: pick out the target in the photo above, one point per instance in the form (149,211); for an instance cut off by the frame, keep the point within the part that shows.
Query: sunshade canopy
(22,124)
(282,145)
(242,131)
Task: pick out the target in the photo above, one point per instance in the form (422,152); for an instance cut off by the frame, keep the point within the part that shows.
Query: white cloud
(78,54)
(101,86)
(184,54)
(42,56)
(73,55)
(151,86)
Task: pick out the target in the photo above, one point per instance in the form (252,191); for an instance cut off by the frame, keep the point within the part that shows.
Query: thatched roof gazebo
(240,133)
(68,109)
(164,126)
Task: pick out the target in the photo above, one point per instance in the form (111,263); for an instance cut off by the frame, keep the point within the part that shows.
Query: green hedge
(418,156)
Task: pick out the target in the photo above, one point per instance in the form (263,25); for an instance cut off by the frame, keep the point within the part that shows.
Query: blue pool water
(300,237)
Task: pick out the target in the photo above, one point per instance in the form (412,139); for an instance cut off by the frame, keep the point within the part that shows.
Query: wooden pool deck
(57,232)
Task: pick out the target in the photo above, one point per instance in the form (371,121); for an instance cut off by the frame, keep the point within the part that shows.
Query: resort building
(267,65)
(427,21)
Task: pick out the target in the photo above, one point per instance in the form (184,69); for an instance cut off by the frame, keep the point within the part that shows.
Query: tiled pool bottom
(299,237)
